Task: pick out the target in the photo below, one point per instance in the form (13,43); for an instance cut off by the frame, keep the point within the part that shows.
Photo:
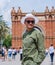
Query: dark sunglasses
(30,21)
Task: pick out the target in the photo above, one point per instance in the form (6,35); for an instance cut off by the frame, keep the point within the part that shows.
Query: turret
(33,12)
(52,10)
(46,10)
(19,13)
(19,10)
(13,14)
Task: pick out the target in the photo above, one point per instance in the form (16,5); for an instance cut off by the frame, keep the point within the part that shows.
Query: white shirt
(13,51)
(51,49)
(20,51)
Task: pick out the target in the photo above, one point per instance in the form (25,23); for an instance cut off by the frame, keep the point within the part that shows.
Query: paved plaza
(12,62)
(18,62)
(47,60)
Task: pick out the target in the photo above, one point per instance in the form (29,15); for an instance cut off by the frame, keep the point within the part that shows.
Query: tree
(3,30)
(7,41)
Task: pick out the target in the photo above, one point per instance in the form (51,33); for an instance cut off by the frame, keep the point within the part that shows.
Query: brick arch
(46,24)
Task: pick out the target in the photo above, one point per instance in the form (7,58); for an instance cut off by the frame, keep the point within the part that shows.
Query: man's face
(29,22)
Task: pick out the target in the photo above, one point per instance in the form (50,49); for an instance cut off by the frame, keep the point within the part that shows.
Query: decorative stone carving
(52,10)
(53,17)
(19,10)
(16,17)
(13,18)
(13,11)
(33,12)
(46,10)
(19,18)
(47,17)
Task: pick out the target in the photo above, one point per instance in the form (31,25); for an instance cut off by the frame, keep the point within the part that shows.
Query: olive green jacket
(33,48)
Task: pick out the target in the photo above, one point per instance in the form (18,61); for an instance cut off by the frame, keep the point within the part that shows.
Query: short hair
(51,44)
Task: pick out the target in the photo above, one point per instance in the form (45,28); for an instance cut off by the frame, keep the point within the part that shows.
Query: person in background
(3,53)
(5,50)
(33,42)
(20,51)
(9,54)
(51,52)
(46,51)
(14,53)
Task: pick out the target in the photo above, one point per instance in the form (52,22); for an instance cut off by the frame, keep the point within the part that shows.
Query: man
(33,42)
(51,52)
(20,51)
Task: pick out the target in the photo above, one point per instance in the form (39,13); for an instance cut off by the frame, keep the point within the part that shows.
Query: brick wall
(46,23)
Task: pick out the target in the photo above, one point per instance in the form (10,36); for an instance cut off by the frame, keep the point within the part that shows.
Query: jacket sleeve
(41,49)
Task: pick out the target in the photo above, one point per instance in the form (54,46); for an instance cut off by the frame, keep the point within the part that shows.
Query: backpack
(38,28)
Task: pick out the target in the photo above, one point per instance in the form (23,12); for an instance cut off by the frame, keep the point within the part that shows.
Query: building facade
(46,24)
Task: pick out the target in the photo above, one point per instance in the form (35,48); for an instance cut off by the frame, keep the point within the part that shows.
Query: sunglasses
(30,21)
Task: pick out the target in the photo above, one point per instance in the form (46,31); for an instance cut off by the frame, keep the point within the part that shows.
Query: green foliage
(7,41)
(3,30)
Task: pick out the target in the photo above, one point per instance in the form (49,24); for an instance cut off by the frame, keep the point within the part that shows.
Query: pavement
(18,62)
(12,62)
(47,60)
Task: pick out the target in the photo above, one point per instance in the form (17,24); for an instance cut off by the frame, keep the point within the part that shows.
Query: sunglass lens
(30,22)
(33,22)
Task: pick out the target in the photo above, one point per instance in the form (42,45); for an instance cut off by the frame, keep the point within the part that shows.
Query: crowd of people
(8,54)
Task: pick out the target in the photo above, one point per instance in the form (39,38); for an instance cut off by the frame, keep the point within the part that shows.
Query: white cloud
(3,3)
(7,16)
(5,11)
(9,1)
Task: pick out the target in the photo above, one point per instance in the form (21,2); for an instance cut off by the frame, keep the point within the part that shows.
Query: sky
(26,6)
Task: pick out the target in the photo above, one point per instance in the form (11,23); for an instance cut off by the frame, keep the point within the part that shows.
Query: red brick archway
(46,23)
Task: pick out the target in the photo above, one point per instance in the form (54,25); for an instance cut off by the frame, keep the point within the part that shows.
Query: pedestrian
(20,51)
(9,54)
(46,51)
(3,53)
(51,52)
(5,50)
(14,53)
(33,42)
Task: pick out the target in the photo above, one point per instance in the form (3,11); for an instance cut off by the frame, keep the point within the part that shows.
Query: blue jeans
(51,56)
